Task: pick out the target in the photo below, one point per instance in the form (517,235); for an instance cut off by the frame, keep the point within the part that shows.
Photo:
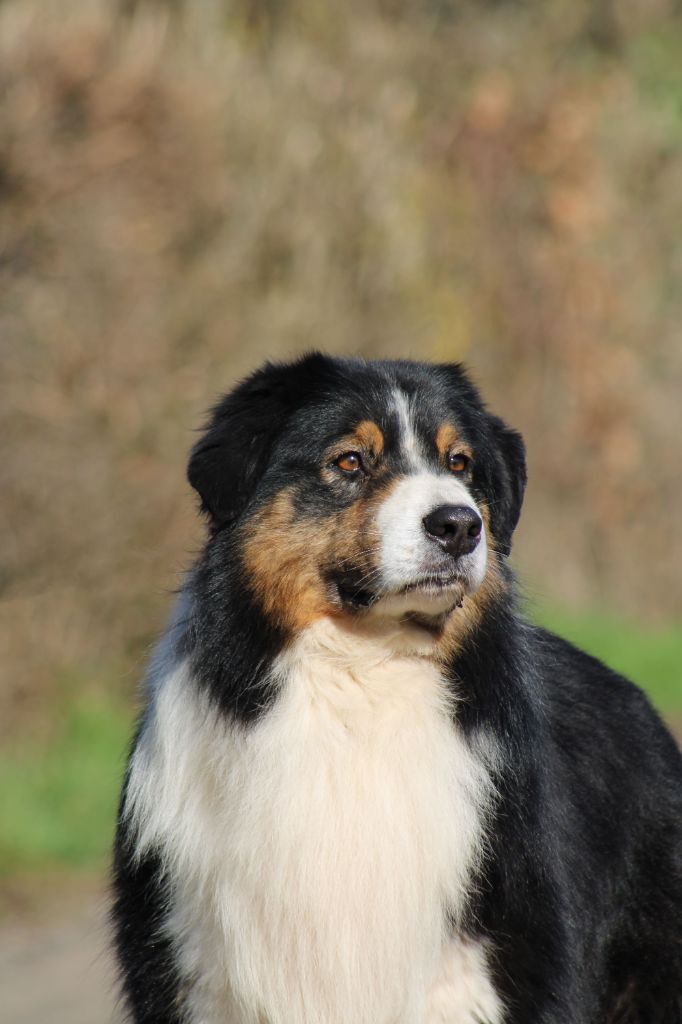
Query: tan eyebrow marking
(366,436)
(447,438)
(370,436)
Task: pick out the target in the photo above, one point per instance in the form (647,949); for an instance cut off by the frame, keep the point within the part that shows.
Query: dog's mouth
(356,597)
(434,583)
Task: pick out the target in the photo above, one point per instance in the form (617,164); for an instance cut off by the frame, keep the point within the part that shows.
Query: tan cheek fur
(285,558)
(281,558)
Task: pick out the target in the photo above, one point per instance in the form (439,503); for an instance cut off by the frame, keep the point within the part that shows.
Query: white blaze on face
(409,441)
(408,554)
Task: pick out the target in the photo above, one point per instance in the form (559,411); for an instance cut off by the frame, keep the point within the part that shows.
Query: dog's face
(354,488)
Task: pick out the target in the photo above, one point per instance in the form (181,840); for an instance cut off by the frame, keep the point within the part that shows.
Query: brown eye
(457,463)
(349,462)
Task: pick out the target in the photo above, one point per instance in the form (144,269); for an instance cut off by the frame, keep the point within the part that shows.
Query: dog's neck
(365,639)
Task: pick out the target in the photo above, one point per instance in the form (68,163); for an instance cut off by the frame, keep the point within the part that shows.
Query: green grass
(58,799)
(654,56)
(650,657)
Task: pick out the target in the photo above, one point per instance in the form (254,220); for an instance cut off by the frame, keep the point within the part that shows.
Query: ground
(55,965)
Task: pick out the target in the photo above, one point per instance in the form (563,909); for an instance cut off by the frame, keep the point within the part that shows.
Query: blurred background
(187,189)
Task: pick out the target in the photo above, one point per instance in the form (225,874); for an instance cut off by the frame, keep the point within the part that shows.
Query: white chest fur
(314,857)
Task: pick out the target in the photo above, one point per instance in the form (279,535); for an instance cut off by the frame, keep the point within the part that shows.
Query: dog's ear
(510,483)
(227,463)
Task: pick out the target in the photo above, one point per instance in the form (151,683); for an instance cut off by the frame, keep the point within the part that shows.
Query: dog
(364,790)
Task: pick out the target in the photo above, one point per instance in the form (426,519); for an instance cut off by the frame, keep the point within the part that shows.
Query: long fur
(364,790)
(317,850)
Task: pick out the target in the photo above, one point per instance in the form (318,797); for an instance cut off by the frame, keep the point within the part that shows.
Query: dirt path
(58,972)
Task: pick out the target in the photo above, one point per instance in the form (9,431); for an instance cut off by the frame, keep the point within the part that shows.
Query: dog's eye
(349,462)
(458,463)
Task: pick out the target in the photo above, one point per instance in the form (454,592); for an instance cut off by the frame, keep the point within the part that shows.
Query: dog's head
(361,488)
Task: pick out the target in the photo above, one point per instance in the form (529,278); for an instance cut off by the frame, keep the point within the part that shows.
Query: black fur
(581,890)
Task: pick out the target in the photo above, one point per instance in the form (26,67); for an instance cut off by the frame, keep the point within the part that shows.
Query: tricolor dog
(364,790)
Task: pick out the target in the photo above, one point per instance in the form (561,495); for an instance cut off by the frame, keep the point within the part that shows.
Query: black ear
(510,483)
(229,460)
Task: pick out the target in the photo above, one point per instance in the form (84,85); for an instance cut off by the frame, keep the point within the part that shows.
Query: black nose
(457,528)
